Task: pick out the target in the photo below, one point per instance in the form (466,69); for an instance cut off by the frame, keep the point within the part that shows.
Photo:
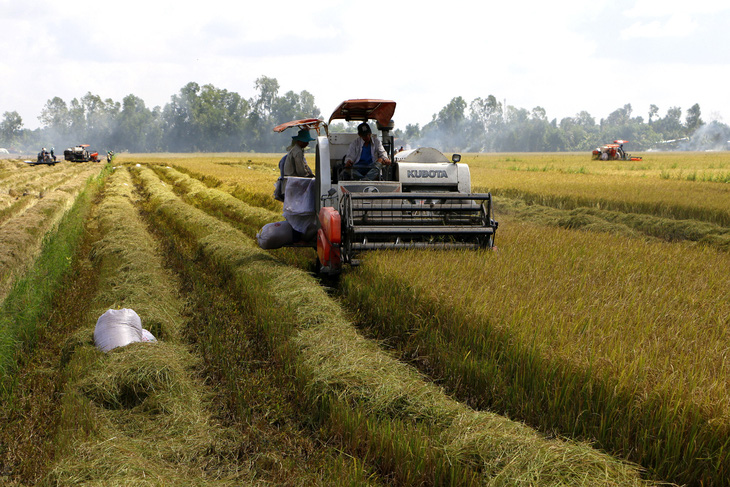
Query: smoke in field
(711,136)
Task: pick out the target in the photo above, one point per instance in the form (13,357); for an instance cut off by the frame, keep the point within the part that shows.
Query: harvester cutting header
(418,199)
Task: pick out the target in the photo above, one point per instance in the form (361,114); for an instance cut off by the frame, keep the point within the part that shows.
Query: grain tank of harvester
(613,152)
(77,153)
(422,200)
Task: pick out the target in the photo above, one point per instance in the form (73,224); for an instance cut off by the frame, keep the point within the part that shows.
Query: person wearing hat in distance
(366,155)
(295,164)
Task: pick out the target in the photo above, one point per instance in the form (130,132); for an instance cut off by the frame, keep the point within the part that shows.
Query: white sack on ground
(118,328)
(147,336)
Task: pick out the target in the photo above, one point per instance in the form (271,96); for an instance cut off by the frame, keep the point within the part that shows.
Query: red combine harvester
(80,153)
(613,152)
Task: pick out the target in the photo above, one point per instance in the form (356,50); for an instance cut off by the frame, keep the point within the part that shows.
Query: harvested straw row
(23,198)
(255,189)
(250,177)
(36,180)
(21,237)
(137,415)
(244,216)
(378,407)
(223,204)
(22,175)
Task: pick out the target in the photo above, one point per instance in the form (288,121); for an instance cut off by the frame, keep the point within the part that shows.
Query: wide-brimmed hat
(303,136)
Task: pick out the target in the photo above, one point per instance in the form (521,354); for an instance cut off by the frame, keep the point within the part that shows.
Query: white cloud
(674,26)
(659,8)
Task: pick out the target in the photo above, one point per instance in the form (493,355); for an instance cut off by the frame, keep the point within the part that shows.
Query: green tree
(10,128)
(514,116)
(579,132)
(693,120)
(205,119)
(539,113)
(101,119)
(485,118)
(653,111)
(446,130)
(138,128)
(76,121)
(412,133)
(487,112)
(55,116)
(262,118)
(585,120)
(618,117)
(221,116)
(308,105)
(180,131)
(268,89)
(670,126)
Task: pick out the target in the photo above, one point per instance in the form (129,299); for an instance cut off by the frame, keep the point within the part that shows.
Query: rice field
(589,349)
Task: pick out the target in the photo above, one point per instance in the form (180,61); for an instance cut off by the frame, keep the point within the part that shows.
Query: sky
(565,56)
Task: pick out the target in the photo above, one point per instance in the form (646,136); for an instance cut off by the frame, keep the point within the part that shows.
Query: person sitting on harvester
(365,157)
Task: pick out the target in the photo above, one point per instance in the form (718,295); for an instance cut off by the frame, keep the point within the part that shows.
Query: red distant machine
(613,152)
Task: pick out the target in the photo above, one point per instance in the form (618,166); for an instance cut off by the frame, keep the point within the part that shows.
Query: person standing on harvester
(295,164)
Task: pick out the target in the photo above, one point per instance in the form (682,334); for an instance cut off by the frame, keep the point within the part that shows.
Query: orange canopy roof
(305,123)
(365,109)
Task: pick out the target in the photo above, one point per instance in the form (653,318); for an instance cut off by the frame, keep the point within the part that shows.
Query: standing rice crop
(593,335)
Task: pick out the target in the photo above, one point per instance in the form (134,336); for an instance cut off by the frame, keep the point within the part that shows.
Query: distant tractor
(80,153)
(44,157)
(613,152)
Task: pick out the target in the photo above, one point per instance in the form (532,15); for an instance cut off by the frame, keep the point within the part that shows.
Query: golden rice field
(590,348)
(665,185)
(637,305)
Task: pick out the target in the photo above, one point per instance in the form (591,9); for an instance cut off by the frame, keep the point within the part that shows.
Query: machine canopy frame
(365,109)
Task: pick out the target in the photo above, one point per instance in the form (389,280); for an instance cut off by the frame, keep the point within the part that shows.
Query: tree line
(209,119)
(485,125)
